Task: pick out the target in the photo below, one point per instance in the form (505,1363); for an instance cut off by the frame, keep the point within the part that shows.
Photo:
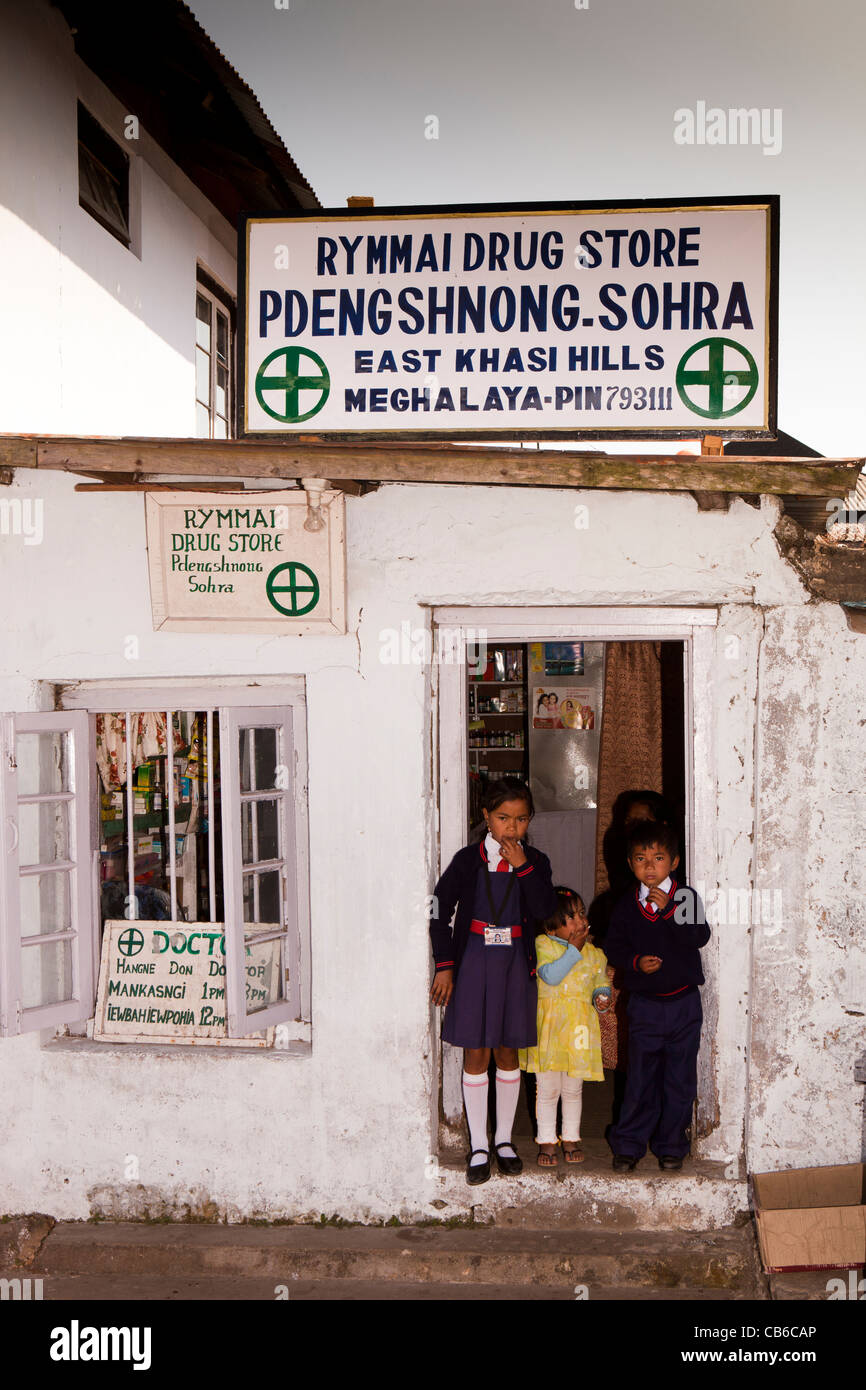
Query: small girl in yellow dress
(572,978)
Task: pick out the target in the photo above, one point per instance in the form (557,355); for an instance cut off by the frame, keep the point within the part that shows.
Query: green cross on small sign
(130,942)
(717,376)
(294,573)
(289,383)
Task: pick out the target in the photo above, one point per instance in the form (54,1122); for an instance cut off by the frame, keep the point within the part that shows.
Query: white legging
(551,1085)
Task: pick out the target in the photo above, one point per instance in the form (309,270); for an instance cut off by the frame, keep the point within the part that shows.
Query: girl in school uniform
(572,985)
(485,967)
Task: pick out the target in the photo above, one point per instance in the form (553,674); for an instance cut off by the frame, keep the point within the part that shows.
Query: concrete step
(85,1288)
(701,1196)
(719,1260)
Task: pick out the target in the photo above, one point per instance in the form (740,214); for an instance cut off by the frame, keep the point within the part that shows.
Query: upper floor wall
(99,338)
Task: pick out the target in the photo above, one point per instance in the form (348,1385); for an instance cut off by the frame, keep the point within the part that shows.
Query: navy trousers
(662,1081)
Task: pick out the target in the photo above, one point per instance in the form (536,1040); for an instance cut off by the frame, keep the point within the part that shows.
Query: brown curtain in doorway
(630,745)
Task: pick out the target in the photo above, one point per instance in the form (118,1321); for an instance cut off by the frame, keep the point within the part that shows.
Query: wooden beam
(108,483)
(17,451)
(433,463)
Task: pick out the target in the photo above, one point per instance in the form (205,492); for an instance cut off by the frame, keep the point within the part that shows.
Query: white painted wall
(103,336)
(349,1128)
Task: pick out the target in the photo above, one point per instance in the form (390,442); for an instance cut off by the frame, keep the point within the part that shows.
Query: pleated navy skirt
(495,1001)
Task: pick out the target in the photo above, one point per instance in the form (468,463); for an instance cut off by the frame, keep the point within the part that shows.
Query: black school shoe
(669,1163)
(508,1166)
(624,1163)
(481,1172)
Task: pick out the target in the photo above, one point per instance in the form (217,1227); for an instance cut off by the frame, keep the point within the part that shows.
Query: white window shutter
(47,917)
(260,870)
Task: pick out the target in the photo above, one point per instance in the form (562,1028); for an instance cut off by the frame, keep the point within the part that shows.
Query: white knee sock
(475,1089)
(507,1095)
(547,1092)
(572,1100)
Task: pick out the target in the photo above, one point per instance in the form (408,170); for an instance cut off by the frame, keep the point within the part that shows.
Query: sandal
(547,1160)
(573,1155)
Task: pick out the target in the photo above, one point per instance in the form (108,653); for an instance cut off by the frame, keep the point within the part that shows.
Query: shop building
(477,583)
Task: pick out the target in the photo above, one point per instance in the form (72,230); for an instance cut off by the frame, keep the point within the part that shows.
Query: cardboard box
(812,1218)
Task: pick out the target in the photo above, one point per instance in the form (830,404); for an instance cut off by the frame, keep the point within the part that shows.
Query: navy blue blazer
(676,935)
(456,888)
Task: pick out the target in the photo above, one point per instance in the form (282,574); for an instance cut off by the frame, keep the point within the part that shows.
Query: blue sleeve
(555,971)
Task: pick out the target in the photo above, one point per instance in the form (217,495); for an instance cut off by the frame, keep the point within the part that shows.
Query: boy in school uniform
(655,937)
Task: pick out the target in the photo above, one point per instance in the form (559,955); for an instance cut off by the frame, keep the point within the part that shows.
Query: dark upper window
(103,177)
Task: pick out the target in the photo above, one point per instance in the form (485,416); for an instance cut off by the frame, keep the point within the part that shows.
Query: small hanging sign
(247,561)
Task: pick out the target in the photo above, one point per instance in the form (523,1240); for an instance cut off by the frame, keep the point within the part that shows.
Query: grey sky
(538,100)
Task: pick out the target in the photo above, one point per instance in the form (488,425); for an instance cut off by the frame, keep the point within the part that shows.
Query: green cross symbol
(130,942)
(717,377)
(294,587)
(290,382)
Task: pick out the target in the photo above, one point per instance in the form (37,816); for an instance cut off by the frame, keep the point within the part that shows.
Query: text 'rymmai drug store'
(224,823)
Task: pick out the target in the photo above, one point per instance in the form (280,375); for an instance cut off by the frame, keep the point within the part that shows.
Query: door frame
(453,627)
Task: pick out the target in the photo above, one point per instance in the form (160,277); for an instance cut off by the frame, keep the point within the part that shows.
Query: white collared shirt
(492,848)
(666,887)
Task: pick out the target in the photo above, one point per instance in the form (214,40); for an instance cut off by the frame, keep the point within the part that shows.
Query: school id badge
(497,936)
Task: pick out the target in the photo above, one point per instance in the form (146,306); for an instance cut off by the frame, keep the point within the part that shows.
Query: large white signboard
(244,562)
(569,320)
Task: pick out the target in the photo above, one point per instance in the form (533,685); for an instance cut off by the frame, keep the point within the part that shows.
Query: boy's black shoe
(480,1172)
(624,1163)
(509,1164)
(669,1163)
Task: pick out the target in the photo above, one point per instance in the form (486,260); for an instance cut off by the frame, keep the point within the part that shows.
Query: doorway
(496,717)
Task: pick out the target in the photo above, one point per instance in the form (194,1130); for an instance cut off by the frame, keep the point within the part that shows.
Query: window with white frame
(214,353)
(170,805)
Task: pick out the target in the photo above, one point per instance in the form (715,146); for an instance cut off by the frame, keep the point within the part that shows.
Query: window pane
(46,974)
(101,192)
(43,763)
(44,832)
(220,428)
(222,382)
(258,759)
(222,337)
(261,817)
(268,897)
(263,967)
(202,376)
(45,903)
(202,421)
(248,854)
(203,321)
(269,838)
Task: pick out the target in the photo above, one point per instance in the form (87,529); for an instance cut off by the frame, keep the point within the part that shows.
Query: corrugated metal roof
(191,100)
(248,105)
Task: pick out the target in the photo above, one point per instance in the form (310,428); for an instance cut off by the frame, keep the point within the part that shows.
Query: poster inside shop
(562,707)
(656,318)
(246,562)
(167,983)
(556,658)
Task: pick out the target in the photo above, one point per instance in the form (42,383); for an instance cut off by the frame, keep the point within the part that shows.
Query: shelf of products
(497,730)
(151,828)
